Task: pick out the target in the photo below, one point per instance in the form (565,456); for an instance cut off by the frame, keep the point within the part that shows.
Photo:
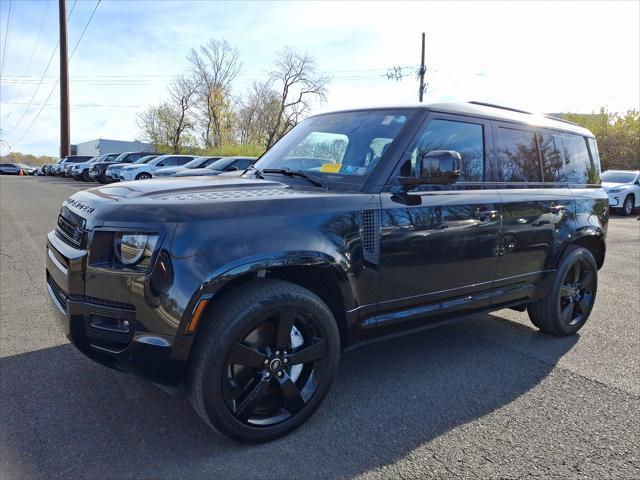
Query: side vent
(370,232)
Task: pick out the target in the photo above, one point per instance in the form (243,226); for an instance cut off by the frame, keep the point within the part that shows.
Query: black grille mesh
(371,235)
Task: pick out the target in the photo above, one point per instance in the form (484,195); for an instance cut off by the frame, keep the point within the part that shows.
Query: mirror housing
(437,167)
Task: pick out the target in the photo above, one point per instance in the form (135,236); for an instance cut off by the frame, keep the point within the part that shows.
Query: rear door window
(553,167)
(517,158)
(595,158)
(183,160)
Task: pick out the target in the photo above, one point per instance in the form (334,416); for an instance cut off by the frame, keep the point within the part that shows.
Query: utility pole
(422,71)
(65,147)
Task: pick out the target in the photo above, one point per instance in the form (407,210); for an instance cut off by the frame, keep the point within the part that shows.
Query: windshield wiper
(295,173)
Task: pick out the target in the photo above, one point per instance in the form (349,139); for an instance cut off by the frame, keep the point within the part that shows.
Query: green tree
(618,136)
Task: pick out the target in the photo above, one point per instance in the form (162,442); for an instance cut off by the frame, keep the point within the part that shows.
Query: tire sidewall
(577,253)
(212,359)
(624,205)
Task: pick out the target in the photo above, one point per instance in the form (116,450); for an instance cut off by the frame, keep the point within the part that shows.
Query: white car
(623,189)
(145,170)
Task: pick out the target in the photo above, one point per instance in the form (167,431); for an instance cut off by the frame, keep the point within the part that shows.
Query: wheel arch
(594,241)
(315,271)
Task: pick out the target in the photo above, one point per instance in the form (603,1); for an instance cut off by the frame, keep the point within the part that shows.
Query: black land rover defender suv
(356,225)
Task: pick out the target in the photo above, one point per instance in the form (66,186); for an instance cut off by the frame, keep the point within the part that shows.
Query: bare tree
(257,114)
(214,66)
(167,125)
(295,78)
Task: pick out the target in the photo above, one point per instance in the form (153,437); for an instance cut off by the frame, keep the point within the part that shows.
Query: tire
(244,389)
(628,205)
(85,176)
(567,305)
(143,176)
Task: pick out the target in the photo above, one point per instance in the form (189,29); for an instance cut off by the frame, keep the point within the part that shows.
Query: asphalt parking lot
(488,398)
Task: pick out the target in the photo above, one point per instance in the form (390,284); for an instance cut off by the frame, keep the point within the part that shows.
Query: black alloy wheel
(627,206)
(274,370)
(85,176)
(566,306)
(143,176)
(265,360)
(577,293)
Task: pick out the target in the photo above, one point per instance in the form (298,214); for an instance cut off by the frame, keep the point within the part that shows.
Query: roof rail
(560,119)
(485,104)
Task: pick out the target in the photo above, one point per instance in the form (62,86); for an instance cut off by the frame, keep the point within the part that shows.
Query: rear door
(537,206)
(437,250)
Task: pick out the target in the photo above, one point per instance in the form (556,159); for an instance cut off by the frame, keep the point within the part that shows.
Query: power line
(56,84)
(41,78)
(6,38)
(33,53)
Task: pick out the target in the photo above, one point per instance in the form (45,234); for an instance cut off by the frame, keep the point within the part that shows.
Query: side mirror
(437,167)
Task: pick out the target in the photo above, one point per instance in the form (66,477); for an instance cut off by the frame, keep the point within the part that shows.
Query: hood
(103,164)
(167,201)
(200,172)
(609,185)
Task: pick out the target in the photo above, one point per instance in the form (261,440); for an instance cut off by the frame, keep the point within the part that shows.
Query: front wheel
(627,206)
(265,360)
(143,176)
(567,305)
(85,176)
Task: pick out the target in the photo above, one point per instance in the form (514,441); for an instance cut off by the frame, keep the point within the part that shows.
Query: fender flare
(254,264)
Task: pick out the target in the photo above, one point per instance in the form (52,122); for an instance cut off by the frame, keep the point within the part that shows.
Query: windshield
(195,163)
(338,147)
(221,164)
(120,157)
(618,177)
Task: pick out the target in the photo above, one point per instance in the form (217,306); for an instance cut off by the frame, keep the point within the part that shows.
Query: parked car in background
(10,169)
(97,170)
(62,167)
(112,174)
(197,162)
(224,164)
(145,171)
(623,189)
(356,225)
(80,171)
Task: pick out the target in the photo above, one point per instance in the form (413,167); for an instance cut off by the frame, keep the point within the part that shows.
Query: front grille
(71,234)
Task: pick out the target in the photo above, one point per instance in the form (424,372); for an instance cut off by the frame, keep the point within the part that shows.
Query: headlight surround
(124,250)
(616,190)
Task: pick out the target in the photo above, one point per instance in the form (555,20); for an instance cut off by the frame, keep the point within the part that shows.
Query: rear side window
(595,158)
(517,158)
(183,160)
(465,138)
(553,167)
(580,169)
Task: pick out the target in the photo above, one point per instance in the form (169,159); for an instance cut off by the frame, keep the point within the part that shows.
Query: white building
(102,146)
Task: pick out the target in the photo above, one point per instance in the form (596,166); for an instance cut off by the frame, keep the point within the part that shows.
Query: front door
(438,243)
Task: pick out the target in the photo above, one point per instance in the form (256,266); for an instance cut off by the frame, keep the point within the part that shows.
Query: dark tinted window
(595,156)
(553,167)
(183,160)
(209,161)
(465,138)
(580,170)
(243,163)
(516,157)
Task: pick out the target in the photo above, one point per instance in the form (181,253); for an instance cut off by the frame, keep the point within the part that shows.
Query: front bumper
(108,332)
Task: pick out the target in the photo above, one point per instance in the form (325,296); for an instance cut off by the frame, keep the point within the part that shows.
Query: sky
(541,56)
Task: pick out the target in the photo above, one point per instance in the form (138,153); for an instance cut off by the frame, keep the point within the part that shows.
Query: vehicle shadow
(66,417)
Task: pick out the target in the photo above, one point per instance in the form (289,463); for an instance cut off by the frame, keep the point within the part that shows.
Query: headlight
(616,190)
(134,248)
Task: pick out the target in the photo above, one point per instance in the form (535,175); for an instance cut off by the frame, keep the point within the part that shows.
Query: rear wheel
(143,176)
(567,305)
(628,204)
(265,361)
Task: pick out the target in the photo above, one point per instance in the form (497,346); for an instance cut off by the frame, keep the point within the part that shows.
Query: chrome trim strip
(57,263)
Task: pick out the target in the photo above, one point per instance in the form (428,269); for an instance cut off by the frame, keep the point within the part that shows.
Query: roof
(488,111)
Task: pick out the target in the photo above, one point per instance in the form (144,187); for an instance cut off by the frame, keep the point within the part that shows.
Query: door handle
(485,215)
